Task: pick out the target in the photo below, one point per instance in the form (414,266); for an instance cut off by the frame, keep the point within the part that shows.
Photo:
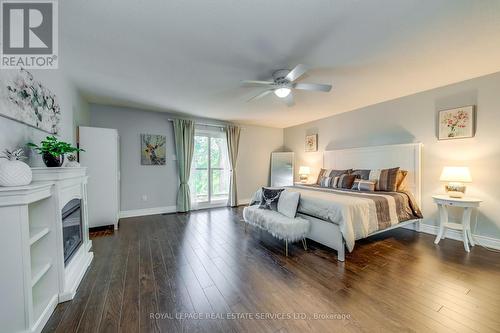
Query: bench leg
(341,253)
(286,247)
(304,243)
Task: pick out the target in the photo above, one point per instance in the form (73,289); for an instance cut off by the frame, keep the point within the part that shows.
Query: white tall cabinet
(101,157)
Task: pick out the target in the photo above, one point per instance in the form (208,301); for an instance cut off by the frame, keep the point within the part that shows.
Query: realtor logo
(29,34)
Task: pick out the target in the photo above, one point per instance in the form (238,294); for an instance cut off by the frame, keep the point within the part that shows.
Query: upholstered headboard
(407,156)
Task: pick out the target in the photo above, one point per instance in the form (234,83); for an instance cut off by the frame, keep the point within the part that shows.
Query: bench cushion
(279,225)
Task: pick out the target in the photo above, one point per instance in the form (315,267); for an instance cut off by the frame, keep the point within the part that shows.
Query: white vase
(14,173)
(72,164)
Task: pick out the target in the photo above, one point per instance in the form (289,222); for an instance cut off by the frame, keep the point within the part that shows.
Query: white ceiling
(190,55)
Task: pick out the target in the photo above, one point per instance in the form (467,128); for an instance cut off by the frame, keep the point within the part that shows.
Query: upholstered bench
(280,226)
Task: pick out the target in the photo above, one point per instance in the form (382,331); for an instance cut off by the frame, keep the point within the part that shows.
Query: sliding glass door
(209,181)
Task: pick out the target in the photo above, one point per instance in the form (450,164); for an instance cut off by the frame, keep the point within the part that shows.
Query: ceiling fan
(283,83)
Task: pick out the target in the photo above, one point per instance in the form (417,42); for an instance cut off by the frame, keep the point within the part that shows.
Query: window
(209,181)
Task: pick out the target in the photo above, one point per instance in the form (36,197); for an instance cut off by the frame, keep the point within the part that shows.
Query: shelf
(38,271)
(37,233)
(456,226)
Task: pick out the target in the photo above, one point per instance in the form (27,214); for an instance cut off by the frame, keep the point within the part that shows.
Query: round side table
(468,204)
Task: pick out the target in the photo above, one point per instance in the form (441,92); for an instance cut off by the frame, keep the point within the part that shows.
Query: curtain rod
(205,124)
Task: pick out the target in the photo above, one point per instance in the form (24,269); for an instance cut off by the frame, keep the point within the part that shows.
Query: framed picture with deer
(153,150)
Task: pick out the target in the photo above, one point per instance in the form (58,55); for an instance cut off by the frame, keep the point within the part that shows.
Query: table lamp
(455,176)
(304,172)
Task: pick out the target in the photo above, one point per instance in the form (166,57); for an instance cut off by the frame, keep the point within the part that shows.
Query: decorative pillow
(321,174)
(364,185)
(374,175)
(325,181)
(257,197)
(401,182)
(335,182)
(386,179)
(330,173)
(345,181)
(270,197)
(361,173)
(338,173)
(288,203)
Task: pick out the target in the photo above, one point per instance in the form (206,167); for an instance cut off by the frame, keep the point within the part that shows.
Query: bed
(340,217)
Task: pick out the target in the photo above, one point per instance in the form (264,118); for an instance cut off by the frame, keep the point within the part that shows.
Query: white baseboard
(457,235)
(244,201)
(147,211)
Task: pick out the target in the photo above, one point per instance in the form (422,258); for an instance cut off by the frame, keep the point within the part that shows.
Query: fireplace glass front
(72,228)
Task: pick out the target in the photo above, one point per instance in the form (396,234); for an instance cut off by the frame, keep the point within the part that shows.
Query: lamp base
(303,178)
(455,190)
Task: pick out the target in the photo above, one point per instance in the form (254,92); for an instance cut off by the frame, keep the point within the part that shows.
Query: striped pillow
(364,185)
(321,174)
(325,181)
(386,179)
(335,181)
(344,181)
(330,173)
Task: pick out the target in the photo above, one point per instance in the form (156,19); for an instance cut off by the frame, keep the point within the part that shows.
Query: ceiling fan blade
(313,86)
(289,101)
(256,83)
(262,94)
(297,72)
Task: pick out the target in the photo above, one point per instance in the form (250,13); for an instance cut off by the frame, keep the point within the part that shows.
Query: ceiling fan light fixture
(282,92)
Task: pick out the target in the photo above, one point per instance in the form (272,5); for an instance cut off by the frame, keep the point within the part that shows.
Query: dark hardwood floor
(158,273)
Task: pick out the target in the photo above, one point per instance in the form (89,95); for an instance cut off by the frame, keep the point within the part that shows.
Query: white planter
(14,173)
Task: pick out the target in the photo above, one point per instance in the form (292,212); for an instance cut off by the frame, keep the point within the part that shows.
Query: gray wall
(159,183)
(254,158)
(74,112)
(413,119)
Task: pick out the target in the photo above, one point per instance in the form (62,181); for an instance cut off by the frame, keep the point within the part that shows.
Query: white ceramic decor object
(14,172)
(72,162)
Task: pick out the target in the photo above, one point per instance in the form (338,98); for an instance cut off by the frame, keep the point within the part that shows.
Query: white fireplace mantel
(34,277)
(70,183)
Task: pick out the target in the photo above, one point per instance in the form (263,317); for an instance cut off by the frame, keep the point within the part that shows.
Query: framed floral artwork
(26,100)
(311,143)
(456,123)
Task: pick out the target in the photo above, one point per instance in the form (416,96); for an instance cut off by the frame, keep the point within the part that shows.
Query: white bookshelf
(28,252)
(37,233)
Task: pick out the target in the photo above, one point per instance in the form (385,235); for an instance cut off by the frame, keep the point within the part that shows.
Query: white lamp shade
(304,170)
(456,174)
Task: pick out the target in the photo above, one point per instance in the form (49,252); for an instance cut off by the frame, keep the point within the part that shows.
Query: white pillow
(375,177)
(288,203)
(257,197)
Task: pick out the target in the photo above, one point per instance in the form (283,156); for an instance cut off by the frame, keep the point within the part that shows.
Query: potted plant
(13,171)
(53,150)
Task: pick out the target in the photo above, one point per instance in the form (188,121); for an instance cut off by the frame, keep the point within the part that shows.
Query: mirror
(282,169)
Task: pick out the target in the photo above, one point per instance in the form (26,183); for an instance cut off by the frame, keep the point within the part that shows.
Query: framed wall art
(311,143)
(28,101)
(456,123)
(153,150)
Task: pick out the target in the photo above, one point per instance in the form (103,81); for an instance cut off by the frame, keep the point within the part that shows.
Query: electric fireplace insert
(72,228)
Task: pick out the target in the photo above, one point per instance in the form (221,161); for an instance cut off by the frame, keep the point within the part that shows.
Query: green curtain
(233,142)
(184,147)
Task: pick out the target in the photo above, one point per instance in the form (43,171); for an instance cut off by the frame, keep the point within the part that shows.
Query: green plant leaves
(54,147)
